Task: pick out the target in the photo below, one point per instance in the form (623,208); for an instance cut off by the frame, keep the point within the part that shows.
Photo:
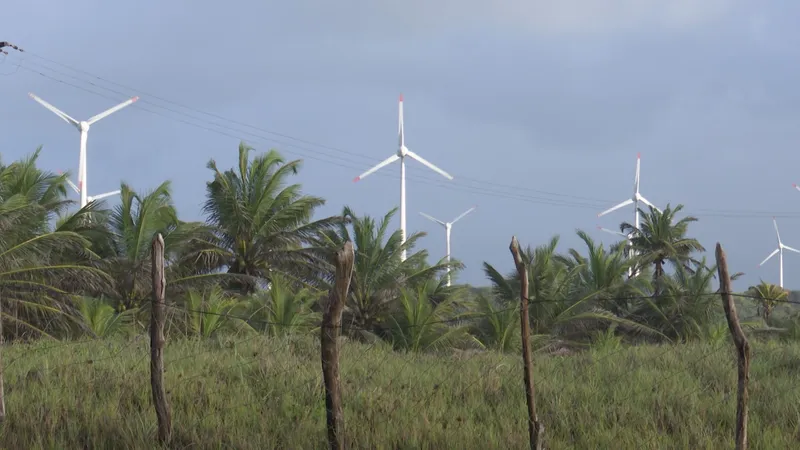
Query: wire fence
(255,391)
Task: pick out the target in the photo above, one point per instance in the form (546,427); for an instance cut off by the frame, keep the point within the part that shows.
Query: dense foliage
(260,263)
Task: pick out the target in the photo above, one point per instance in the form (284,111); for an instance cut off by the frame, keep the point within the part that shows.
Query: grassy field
(259,393)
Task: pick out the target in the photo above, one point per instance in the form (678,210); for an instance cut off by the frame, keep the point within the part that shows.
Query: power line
(468,185)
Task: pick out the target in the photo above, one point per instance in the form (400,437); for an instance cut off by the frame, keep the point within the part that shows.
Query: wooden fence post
(331,329)
(2,389)
(157,341)
(535,428)
(742,348)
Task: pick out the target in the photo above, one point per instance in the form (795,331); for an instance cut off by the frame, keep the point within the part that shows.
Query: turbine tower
(634,200)
(628,245)
(779,251)
(448,226)
(83,127)
(402,153)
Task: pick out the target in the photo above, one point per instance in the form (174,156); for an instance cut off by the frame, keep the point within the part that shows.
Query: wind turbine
(779,251)
(90,198)
(83,127)
(402,153)
(628,244)
(634,200)
(447,227)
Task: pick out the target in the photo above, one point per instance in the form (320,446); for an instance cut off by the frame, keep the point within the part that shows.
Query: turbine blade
(775,223)
(377,167)
(786,247)
(614,208)
(400,132)
(110,111)
(618,233)
(432,219)
(73,186)
(70,183)
(775,252)
(55,111)
(647,202)
(463,214)
(794,185)
(638,171)
(429,165)
(107,194)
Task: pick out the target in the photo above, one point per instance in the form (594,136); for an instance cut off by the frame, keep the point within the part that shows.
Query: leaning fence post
(742,348)
(535,428)
(157,341)
(331,328)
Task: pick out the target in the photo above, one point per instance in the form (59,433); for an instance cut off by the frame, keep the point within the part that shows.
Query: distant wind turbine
(448,226)
(779,251)
(83,127)
(634,200)
(402,153)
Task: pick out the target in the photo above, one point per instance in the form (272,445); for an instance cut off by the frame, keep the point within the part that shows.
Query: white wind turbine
(402,153)
(634,200)
(779,251)
(83,127)
(448,226)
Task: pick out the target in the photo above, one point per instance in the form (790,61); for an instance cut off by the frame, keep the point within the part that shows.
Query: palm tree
(605,273)
(419,324)
(562,311)
(661,239)
(687,306)
(379,272)
(132,225)
(496,325)
(261,224)
(33,276)
(767,295)
(209,311)
(282,310)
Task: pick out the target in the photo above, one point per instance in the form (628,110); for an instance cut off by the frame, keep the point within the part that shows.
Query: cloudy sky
(537,108)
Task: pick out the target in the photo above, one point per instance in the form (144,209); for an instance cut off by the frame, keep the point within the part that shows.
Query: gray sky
(512,98)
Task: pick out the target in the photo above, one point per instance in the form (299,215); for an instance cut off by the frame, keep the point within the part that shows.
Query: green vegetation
(246,289)
(267,393)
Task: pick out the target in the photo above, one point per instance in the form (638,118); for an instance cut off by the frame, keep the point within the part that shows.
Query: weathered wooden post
(535,428)
(331,329)
(742,348)
(157,341)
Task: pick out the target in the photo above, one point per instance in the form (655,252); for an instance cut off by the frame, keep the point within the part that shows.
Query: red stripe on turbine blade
(356,179)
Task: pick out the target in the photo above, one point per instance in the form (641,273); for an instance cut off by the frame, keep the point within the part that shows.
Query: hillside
(259,394)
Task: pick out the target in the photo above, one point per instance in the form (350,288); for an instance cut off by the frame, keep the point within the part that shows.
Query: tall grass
(262,393)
